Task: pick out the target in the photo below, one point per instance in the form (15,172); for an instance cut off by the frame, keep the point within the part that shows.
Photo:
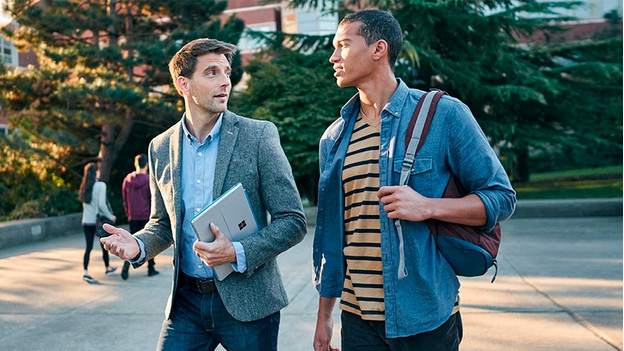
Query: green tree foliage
(102,85)
(31,182)
(525,96)
(299,94)
(590,78)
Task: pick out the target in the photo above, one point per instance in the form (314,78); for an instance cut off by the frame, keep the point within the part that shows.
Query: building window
(249,43)
(8,53)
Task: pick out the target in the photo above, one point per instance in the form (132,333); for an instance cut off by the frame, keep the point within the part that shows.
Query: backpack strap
(414,138)
(417,130)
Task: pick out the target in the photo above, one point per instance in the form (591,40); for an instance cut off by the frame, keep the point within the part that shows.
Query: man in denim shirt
(356,249)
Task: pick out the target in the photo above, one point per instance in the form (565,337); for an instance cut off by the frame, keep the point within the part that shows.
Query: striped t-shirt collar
(393,107)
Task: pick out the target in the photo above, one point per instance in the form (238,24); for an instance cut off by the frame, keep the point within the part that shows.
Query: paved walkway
(559,287)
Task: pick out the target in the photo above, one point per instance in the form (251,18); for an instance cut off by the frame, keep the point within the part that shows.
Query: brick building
(272,16)
(262,15)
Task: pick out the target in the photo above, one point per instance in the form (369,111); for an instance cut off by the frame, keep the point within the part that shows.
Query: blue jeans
(358,334)
(200,322)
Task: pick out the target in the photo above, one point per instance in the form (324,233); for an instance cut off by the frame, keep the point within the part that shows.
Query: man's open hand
(121,243)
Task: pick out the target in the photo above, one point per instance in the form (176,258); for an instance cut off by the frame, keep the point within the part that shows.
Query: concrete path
(559,287)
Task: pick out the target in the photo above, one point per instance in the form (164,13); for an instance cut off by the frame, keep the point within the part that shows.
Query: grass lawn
(574,189)
(604,182)
(609,171)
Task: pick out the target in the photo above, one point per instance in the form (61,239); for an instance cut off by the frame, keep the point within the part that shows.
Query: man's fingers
(120,232)
(321,347)
(119,237)
(111,229)
(387,194)
(218,233)
(215,230)
(389,208)
(200,246)
(386,190)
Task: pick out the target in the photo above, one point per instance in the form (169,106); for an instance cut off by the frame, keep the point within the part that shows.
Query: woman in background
(93,197)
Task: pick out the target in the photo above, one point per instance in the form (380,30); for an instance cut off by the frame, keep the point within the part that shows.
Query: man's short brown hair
(183,63)
(376,25)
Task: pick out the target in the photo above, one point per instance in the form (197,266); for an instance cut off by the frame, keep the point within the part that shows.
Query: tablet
(232,213)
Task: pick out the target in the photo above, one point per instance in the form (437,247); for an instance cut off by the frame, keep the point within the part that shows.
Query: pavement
(559,287)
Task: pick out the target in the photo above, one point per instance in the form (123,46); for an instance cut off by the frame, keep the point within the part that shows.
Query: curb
(568,208)
(26,231)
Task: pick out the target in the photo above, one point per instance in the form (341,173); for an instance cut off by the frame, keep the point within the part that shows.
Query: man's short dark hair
(376,25)
(183,63)
(140,160)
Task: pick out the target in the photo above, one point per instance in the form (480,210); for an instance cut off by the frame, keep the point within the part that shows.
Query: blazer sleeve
(157,234)
(279,194)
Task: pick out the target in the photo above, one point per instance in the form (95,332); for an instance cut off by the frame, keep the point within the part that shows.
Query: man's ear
(182,83)
(381,49)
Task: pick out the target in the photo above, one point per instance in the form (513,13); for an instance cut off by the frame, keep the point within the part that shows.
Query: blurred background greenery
(550,103)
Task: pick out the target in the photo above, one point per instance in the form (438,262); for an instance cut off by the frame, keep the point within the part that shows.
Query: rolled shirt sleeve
(241,260)
(474,162)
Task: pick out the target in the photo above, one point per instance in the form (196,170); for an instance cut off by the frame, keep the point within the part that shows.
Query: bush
(60,201)
(29,209)
(26,195)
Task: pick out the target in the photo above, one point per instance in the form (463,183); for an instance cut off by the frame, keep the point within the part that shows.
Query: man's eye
(228,74)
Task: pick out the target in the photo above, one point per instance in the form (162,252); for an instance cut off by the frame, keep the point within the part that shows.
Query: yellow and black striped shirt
(363,286)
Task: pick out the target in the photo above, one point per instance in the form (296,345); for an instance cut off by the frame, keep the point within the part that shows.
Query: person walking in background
(136,199)
(357,247)
(93,197)
(195,161)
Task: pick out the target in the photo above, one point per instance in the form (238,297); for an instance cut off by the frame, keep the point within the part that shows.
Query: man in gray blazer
(192,163)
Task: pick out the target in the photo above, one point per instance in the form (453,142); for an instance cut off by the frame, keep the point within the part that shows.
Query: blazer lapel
(229,134)
(175,155)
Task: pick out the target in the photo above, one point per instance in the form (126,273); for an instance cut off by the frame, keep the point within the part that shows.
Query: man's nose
(225,80)
(334,57)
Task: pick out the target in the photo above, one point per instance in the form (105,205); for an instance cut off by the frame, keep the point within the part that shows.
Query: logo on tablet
(242,225)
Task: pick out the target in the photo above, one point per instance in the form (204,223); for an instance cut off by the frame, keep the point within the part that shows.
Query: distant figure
(136,200)
(93,196)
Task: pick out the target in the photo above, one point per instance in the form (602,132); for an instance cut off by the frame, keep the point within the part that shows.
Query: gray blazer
(249,153)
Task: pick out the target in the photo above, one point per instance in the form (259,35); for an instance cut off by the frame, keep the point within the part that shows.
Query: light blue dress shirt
(198,168)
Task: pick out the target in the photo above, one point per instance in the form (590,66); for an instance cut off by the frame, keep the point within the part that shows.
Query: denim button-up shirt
(455,144)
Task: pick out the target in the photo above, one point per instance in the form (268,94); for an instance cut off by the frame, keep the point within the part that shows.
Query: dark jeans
(135,226)
(358,334)
(89,233)
(200,322)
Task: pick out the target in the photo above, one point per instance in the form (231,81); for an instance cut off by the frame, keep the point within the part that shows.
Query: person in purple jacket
(136,200)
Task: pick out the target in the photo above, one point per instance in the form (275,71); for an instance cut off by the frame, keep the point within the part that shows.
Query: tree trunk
(107,151)
(520,165)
